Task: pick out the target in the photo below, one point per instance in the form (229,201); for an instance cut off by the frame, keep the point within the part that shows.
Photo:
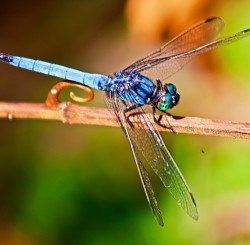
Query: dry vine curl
(53,101)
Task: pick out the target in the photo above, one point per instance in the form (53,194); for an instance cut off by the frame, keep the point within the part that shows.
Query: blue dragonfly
(140,84)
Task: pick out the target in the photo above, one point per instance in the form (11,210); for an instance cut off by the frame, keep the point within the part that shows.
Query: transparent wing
(150,144)
(171,57)
(116,107)
(155,152)
(159,65)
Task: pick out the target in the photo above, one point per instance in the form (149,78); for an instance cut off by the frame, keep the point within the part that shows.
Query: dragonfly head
(169,97)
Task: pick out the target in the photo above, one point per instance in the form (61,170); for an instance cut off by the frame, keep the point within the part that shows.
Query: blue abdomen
(96,81)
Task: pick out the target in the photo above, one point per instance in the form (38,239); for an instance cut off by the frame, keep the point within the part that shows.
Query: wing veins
(146,183)
(161,162)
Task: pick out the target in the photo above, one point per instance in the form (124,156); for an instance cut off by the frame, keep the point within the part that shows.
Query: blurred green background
(62,184)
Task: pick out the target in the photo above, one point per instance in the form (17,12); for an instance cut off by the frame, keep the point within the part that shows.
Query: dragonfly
(130,90)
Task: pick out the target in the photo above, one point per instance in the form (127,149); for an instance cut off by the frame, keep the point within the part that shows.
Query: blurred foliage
(62,184)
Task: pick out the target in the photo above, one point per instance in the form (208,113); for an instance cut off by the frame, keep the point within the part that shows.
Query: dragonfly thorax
(121,82)
(132,87)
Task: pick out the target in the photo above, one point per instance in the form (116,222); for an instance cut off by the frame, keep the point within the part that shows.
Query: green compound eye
(170,88)
(166,102)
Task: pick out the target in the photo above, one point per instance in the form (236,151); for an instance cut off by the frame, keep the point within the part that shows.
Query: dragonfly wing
(213,45)
(149,142)
(116,107)
(161,67)
(166,61)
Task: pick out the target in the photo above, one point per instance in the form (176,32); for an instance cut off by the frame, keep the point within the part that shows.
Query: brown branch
(70,113)
(75,114)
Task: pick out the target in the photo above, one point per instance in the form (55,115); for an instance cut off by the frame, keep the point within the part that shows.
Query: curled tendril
(53,96)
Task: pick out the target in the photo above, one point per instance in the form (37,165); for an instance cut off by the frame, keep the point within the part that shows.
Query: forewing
(117,107)
(149,142)
(161,64)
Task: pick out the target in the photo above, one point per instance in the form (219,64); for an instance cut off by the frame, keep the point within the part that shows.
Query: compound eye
(165,102)
(170,88)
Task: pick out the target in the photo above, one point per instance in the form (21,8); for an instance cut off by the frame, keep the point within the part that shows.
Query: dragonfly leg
(129,109)
(158,120)
(159,84)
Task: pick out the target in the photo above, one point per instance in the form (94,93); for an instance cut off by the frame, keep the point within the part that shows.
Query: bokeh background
(62,184)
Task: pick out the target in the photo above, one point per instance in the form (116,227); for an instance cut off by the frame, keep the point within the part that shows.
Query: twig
(75,114)
(70,113)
